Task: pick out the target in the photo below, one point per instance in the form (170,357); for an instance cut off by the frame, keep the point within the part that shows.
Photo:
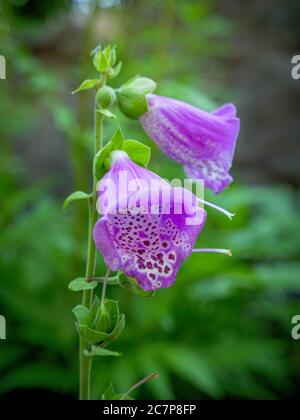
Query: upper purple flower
(203,142)
(140,232)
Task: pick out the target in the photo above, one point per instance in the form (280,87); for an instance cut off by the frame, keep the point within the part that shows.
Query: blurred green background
(224,330)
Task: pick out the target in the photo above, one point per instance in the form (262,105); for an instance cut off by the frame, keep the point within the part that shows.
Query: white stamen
(214,206)
(218,250)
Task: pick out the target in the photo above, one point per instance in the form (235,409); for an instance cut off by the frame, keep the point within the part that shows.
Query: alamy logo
(296,69)
(2,67)
(2,328)
(296,329)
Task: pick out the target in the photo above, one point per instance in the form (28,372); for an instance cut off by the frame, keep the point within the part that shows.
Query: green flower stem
(85,363)
(127,393)
(104,287)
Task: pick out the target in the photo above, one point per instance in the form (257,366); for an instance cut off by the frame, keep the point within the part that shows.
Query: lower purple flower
(147,233)
(203,142)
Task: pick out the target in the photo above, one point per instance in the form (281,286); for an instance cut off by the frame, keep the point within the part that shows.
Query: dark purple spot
(149,264)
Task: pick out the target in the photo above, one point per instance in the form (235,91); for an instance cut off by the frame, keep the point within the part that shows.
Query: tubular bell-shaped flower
(202,142)
(148,228)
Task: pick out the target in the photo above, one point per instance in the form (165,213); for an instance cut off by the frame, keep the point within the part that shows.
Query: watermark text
(2,67)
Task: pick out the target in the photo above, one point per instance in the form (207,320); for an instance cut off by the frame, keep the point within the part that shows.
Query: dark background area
(224,330)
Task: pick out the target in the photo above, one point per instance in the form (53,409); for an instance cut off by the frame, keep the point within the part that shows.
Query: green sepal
(117,330)
(131,96)
(81,313)
(114,72)
(130,284)
(113,56)
(117,139)
(103,321)
(99,167)
(87,84)
(138,152)
(104,60)
(99,351)
(112,307)
(75,196)
(98,337)
(100,62)
(93,313)
(80,284)
(92,336)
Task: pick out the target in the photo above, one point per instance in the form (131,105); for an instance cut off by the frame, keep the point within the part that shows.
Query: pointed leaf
(75,196)
(87,84)
(99,351)
(138,152)
(107,113)
(80,284)
(117,139)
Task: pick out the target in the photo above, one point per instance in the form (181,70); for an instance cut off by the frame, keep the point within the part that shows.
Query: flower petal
(151,247)
(202,142)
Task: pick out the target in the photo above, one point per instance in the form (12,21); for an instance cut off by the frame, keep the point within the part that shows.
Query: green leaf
(107,113)
(130,284)
(138,152)
(87,84)
(115,71)
(92,336)
(109,393)
(80,284)
(99,167)
(75,196)
(99,351)
(117,139)
(81,313)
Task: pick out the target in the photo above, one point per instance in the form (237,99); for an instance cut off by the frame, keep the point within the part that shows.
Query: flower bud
(105,97)
(132,96)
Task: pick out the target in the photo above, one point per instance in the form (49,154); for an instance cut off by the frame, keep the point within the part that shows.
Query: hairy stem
(85,363)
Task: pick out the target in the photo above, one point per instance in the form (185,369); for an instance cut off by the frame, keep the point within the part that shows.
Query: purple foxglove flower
(146,232)
(202,142)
